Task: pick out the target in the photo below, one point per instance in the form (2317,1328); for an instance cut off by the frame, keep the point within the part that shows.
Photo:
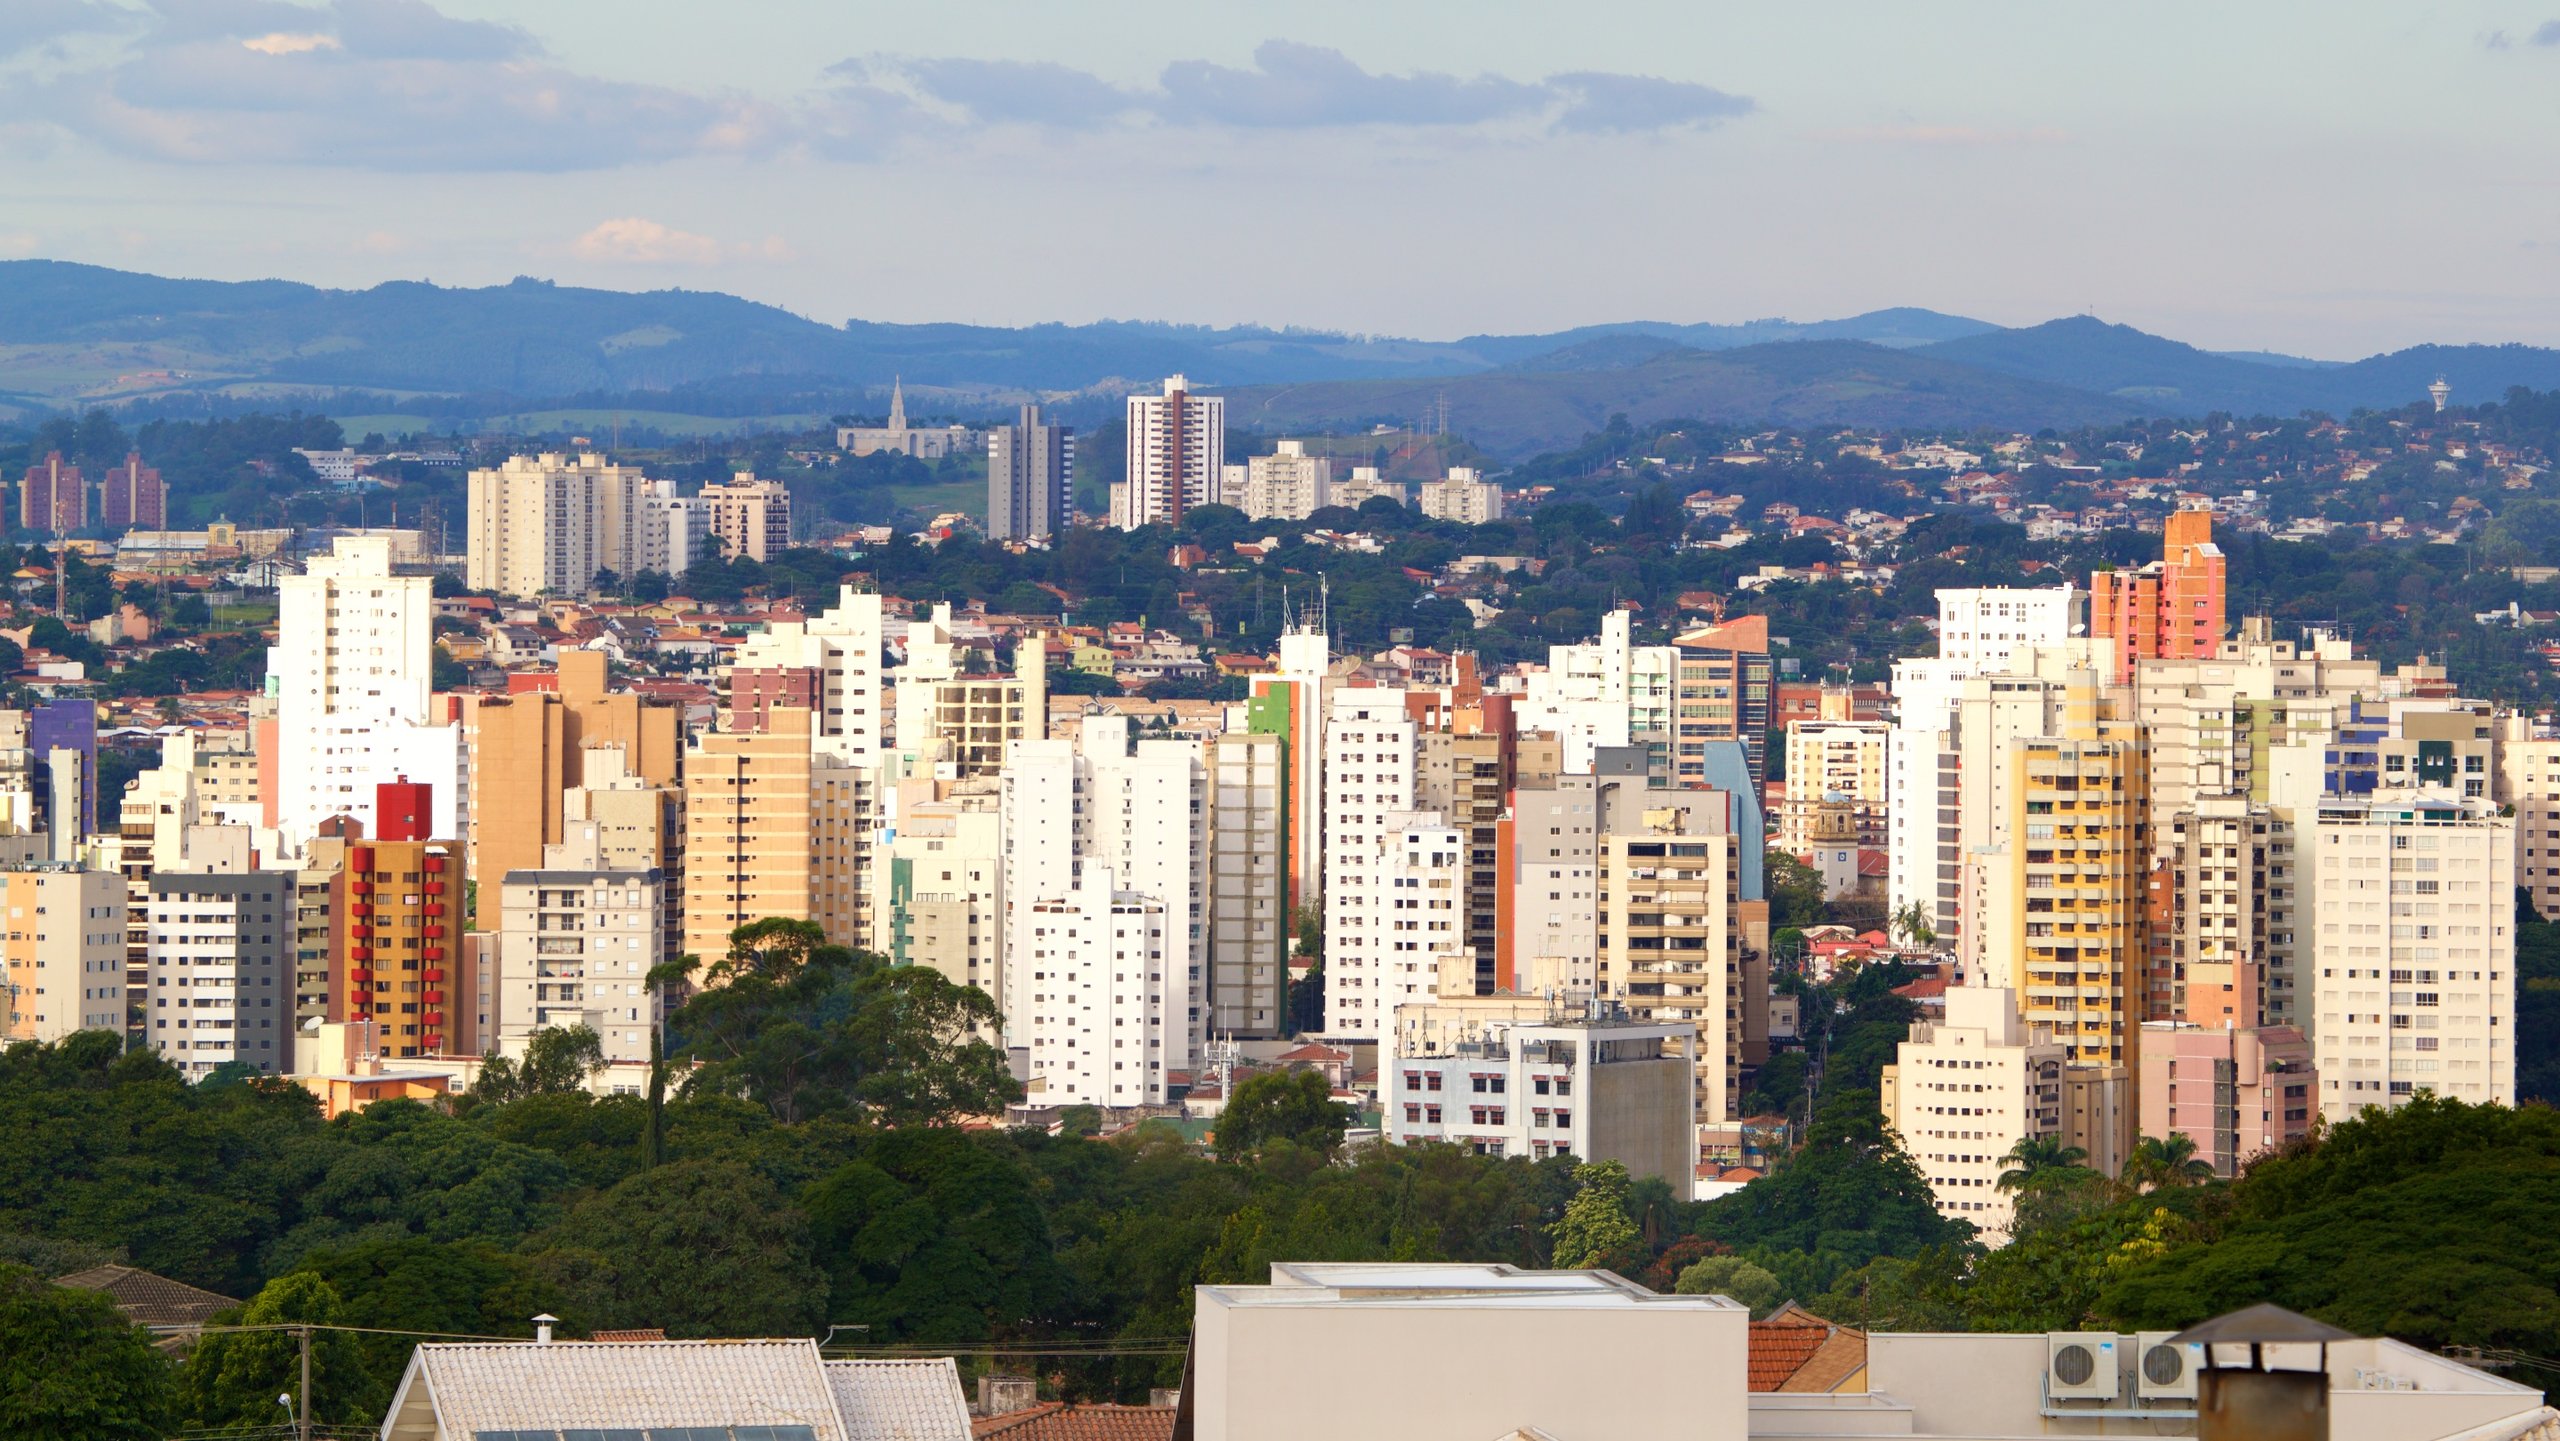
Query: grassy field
(961,495)
(246,615)
(597,424)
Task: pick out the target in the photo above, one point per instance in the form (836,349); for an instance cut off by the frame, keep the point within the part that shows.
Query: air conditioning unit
(2081,1366)
(2162,1371)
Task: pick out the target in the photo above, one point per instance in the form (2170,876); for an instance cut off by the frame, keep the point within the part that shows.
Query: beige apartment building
(62,956)
(769,832)
(529,748)
(939,883)
(751,517)
(1964,1090)
(1834,762)
(1670,902)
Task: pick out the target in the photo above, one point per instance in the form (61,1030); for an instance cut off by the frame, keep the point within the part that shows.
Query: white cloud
(632,240)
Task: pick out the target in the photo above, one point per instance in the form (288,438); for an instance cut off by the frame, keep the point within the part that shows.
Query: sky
(2327,179)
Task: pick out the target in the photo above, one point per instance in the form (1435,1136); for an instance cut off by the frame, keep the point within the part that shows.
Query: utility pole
(302,1423)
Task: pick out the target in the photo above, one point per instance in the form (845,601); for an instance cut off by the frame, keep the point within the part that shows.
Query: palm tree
(1912,924)
(2038,1160)
(2170,1161)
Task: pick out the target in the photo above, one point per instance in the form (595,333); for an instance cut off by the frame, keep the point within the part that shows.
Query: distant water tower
(2441,391)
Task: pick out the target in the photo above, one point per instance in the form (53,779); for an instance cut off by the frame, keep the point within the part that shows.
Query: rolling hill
(2163,377)
(1807,382)
(73,335)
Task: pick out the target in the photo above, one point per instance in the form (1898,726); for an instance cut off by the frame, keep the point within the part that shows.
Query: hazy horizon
(2330,182)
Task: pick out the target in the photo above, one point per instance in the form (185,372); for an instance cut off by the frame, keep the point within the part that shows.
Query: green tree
(1794,890)
(937,1235)
(557,1060)
(1293,1106)
(72,1368)
(1911,923)
(807,1028)
(1595,1229)
(446,673)
(234,1377)
(1752,1285)
(700,1248)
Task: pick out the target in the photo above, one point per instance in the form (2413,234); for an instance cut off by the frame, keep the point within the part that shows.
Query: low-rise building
(1521,1076)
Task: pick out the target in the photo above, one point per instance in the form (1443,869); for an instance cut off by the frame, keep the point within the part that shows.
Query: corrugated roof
(500,1386)
(900,1400)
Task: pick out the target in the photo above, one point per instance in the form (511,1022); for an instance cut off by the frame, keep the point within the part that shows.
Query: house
(169,1309)
(1796,1350)
(731,1390)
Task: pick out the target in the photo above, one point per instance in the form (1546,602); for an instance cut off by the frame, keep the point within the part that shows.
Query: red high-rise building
(132,498)
(2171,609)
(395,954)
(53,497)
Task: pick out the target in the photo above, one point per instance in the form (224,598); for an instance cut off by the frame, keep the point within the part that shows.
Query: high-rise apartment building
(1177,453)
(968,722)
(2236,1091)
(1980,632)
(2410,972)
(1463,495)
(529,748)
(545,524)
(62,963)
(769,831)
(750,517)
(1830,762)
(131,497)
(939,878)
(221,960)
(1606,692)
(2528,781)
(1028,463)
(2075,865)
(1723,691)
(832,665)
(53,498)
(1670,926)
(1288,484)
(1248,884)
(1105,892)
(577,938)
(2170,609)
(1966,1089)
(351,671)
(1371,790)
(1292,704)
(396,952)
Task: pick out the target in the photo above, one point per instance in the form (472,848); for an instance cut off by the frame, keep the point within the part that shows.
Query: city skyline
(1643,163)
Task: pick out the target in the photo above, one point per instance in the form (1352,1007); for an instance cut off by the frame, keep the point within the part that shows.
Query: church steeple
(898,403)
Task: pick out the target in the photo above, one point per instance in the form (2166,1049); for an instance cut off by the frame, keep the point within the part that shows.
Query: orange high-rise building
(2170,609)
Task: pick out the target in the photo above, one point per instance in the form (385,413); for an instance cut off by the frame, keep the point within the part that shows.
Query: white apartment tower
(352,672)
(2410,970)
(1177,455)
(843,645)
(1371,745)
(577,939)
(1980,632)
(1093,826)
(1966,1089)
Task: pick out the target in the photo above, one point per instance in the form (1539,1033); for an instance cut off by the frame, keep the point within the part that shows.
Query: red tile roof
(1779,1349)
(1061,1421)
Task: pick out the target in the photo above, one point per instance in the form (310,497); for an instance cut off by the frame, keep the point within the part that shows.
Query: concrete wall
(1467,1371)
